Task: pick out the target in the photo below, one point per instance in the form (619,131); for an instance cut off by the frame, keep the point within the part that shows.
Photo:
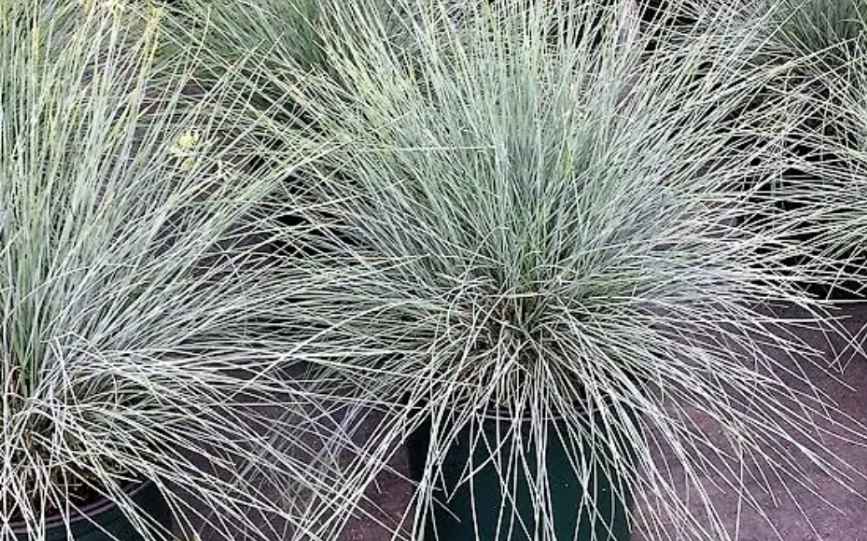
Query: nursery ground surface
(848,523)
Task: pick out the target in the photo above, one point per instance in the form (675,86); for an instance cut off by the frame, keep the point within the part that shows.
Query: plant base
(477,508)
(104,521)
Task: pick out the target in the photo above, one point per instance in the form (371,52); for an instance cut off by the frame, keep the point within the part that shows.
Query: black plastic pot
(484,492)
(104,521)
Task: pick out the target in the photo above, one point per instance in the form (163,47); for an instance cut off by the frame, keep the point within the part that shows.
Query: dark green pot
(484,492)
(103,521)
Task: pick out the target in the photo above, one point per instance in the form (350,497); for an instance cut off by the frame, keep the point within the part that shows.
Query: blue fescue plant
(135,296)
(818,41)
(816,47)
(284,38)
(834,169)
(825,33)
(532,216)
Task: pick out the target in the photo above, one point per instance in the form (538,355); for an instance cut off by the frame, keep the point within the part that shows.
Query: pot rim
(90,511)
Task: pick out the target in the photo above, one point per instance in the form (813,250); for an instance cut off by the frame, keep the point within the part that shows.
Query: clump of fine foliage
(134,296)
(834,174)
(533,216)
(816,49)
(284,38)
(819,43)
(826,33)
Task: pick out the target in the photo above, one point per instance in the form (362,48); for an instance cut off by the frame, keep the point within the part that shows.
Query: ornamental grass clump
(276,45)
(535,221)
(833,187)
(284,38)
(819,42)
(826,34)
(816,47)
(228,38)
(134,296)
